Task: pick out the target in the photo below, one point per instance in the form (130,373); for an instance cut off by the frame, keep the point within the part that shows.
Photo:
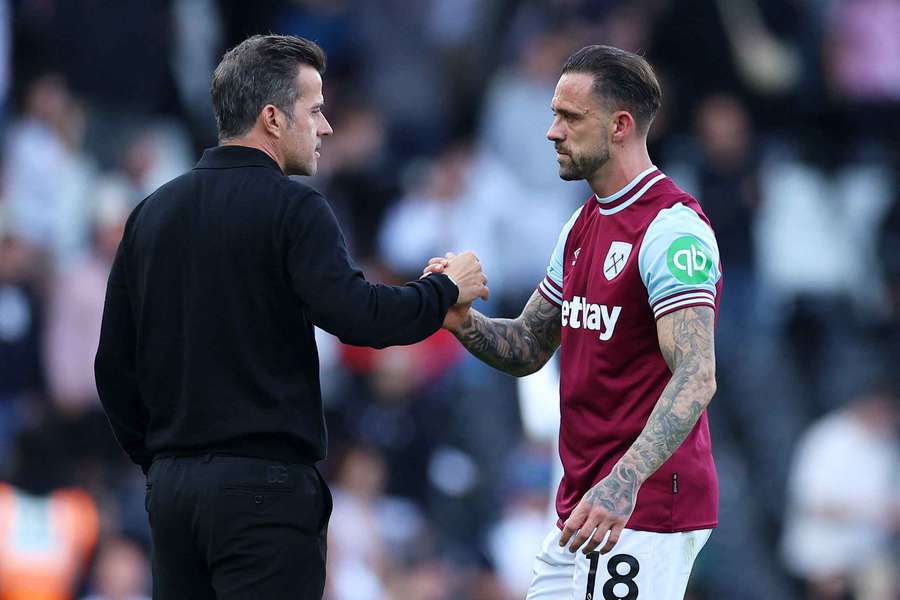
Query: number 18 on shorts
(644,565)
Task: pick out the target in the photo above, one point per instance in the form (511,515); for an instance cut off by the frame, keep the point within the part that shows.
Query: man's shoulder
(300,201)
(668,193)
(670,202)
(296,189)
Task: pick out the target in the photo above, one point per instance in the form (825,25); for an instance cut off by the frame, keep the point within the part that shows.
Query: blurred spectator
(516,538)
(197,44)
(331,24)
(843,520)
(395,404)
(750,46)
(5,60)
(458,205)
(889,252)
(46,177)
(131,39)
(76,308)
(47,531)
(861,50)
(396,48)
(428,580)
(817,232)
(360,549)
(766,63)
(120,571)
(358,175)
(21,326)
(155,153)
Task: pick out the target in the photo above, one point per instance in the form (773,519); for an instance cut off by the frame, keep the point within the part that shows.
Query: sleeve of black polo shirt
(115,367)
(340,300)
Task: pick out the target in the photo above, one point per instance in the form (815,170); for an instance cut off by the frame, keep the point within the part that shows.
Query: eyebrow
(565,112)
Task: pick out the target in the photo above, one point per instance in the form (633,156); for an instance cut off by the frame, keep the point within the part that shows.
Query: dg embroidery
(687,261)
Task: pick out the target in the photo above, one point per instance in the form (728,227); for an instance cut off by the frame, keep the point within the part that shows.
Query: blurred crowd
(781,116)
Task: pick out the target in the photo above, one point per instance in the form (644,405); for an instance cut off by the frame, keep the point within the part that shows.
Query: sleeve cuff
(551,291)
(446,283)
(681,300)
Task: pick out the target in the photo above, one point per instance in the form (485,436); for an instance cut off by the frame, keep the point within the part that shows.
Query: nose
(326,130)
(555,134)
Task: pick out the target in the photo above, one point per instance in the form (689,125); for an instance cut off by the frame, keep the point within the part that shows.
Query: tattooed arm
(518,346)
(686,342)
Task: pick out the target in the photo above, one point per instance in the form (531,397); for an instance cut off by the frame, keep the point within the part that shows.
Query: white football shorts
(643,565)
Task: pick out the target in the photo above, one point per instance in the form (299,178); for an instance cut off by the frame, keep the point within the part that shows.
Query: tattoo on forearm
(617,492)
(686,342)
(516,346)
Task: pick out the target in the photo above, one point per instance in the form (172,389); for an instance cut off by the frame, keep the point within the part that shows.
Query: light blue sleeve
(551,286)
(679,261)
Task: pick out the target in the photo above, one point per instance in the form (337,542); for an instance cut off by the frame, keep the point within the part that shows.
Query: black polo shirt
(207,339)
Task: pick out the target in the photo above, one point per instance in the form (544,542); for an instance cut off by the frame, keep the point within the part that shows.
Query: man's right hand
(465,270)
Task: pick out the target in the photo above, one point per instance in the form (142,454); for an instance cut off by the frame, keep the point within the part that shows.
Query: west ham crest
(616,259)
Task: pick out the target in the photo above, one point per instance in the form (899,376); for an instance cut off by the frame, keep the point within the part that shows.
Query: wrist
(626,470)
(456,323)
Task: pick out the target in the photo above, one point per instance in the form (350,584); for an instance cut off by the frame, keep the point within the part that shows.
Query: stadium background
(781,116)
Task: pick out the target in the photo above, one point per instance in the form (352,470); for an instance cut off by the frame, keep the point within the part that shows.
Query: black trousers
(237,528)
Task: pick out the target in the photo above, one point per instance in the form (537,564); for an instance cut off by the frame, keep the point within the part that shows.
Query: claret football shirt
(621,263)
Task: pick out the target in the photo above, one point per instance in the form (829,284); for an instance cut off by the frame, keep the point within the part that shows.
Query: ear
(622,126)
(272,120)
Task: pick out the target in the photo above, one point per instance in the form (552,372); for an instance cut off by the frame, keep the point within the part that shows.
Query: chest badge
(575,256)
(615,259)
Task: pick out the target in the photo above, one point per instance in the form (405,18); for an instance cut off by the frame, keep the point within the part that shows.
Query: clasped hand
(465,269)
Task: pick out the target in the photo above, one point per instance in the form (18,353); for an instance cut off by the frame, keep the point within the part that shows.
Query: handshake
(465,270)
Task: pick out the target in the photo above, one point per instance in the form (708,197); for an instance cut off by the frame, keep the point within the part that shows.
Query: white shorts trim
(662,561)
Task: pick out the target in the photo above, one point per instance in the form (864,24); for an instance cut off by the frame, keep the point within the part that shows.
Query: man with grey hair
(207,365)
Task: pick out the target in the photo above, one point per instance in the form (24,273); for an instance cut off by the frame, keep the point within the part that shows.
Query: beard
(299,163)
(583,167)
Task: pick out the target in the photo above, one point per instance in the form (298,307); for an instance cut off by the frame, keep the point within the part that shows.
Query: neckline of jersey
(631,192)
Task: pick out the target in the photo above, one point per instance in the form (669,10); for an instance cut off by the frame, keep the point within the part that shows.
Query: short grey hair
(260,70)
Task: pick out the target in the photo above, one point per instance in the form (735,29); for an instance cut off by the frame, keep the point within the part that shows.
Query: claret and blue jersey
(621,263)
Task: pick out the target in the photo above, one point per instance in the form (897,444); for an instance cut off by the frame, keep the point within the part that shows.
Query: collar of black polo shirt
(230,157)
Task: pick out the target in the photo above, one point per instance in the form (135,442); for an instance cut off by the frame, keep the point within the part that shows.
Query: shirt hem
(639,527)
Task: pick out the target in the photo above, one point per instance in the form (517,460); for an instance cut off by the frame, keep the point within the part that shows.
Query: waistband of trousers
(269,449)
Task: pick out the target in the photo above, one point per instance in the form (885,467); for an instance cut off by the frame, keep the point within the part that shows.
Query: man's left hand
(605,508)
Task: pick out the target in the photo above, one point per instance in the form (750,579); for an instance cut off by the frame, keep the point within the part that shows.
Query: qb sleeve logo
(687,261)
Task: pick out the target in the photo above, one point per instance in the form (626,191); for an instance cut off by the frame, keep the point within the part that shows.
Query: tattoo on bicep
(515,346)
(686,342)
